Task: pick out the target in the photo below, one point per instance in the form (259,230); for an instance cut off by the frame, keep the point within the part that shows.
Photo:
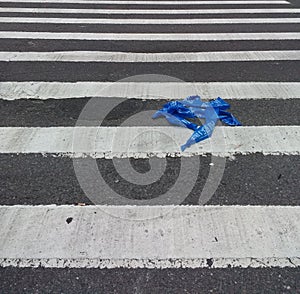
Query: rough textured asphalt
(144,46)
(65,112)
(232,280)
(263,71)
(34,179)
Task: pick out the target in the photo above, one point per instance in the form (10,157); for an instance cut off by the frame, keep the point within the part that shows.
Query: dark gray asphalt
(166,28)
(142,281)
(65,112)
(261,71)
(248,180)
(88,5)
(151,16)
(145,46)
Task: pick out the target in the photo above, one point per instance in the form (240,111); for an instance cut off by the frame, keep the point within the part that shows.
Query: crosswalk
(88,181)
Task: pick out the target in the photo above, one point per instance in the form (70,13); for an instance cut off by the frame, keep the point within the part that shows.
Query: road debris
(178,113)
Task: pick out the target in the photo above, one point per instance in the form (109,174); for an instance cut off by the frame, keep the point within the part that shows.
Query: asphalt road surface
(97,197)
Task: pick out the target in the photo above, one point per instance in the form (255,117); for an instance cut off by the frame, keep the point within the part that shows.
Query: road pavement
(223,217)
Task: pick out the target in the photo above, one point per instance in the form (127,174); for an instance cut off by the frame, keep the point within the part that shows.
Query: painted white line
(103,56)
(150,11)
(150,36)
(147,21)
(225,2)
(150,236)
(149,90)
(144,142)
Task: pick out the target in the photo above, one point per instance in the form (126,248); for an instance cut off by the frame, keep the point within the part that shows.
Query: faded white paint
(149,90)
(150,11)
(104,56)
(195,2)
(150,236)
(144,142)
(147,21)
(101,263)
(150,36)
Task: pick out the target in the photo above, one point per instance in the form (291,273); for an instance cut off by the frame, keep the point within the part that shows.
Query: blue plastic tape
(178,112)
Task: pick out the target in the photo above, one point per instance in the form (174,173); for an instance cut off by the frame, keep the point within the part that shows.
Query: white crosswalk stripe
(148,90)
(150,141)
(150,11)
(104,56)
(56,33)
(150,37)
(151,250)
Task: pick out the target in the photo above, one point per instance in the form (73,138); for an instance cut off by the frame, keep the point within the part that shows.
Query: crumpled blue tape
(178,112)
